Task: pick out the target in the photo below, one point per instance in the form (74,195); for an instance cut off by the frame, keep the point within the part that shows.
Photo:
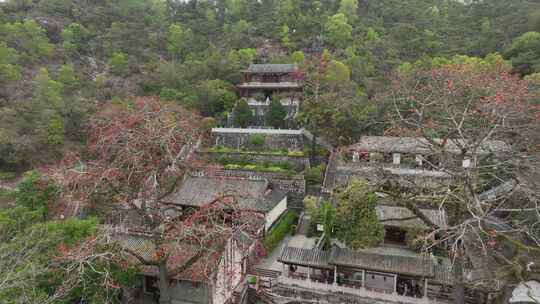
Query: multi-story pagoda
(262,82)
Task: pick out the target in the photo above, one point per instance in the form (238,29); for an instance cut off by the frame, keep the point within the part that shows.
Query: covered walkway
(363,273)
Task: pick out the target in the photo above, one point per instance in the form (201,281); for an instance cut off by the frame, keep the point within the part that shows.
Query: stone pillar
(425,287)
(355,157)
(395,283)
(396,158)
(335,275)
(419,159)
(308,275)
(363,279)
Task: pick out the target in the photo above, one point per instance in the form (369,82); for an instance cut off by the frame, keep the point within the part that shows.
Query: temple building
(407,161)
(252,194)
(263,82)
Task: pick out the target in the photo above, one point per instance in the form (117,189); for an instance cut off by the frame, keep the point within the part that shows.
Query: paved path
(270,261)
(304,225)
(302,241)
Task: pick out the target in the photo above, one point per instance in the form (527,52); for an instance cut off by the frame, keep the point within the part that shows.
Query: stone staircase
(330,174)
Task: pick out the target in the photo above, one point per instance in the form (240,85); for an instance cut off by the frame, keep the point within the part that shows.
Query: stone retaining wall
(272,141)
(299,163)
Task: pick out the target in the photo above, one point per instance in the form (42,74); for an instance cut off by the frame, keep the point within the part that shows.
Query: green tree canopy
(349,9)
(55,131)
(242,114)
(75,37)
(357,224)
(67,77)
(27,37)
(298,57)
(215,97)
(337,74)
(524,52)
(47,92)
(338,31)
(36,192)
(9,70)
(118,63)
(178,41)
(275,116)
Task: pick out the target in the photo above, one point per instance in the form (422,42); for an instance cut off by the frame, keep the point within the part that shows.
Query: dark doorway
(394,235)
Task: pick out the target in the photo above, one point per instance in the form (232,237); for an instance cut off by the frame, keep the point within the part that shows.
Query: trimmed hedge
(283,152)
(4,175)
(280,230)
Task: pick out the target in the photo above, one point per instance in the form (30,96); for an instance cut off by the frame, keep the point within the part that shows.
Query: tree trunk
(313,148)
(164,292)
(459,285)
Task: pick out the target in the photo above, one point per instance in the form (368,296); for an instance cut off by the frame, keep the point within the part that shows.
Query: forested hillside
(59,58)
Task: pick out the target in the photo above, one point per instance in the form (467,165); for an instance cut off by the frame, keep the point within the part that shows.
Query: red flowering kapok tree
(138,153)
(479,126)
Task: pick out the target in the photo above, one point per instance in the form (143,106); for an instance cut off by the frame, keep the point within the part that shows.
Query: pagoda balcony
(269,85)
(286,102)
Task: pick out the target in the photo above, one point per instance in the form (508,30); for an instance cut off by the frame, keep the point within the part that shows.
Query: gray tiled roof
(250,194)
(406,265)
(418,145)
(272,68)
(305,257)
(403,217)
(368,260)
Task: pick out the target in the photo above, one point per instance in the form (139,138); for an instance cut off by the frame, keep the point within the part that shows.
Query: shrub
(293,229)
(413,238)
(208,123)
(315,175)
(4,175)
(118,63)
(295,153)
(169,94)
(242,114)
(280,230)
(275,116)
(257,141)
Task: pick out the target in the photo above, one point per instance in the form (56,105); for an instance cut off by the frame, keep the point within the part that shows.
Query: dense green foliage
(242,114)
(315,176)
(257,141)
(357,224)
(32,248)
(280,230)
(35,193)
(276,114)
(283,152)
(54,67)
